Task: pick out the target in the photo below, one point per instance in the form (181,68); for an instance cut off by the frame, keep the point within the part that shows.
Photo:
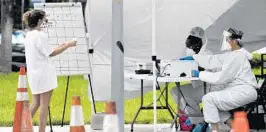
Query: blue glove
(195,73)
(198,128)
(187,58)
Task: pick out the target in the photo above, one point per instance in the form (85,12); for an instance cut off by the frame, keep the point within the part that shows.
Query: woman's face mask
(190,52)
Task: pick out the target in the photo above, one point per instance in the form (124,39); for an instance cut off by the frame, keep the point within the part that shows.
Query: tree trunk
(6,42)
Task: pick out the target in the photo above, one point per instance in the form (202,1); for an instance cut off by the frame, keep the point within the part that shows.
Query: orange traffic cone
(110,123)
(22,114)
(240,123)
(77,120)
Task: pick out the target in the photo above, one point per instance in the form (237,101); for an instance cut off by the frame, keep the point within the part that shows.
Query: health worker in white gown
(236,74)
(192,93)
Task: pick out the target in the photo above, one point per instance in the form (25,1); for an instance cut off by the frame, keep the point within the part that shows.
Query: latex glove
(195,73)
(187,58)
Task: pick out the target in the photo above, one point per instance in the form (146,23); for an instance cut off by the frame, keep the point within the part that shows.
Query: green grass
(77,86)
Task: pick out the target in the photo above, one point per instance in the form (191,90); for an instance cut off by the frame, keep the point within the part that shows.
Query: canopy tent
(246,15)
(261,51)
(174,19)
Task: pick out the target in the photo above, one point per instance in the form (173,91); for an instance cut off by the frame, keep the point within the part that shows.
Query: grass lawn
(77,86)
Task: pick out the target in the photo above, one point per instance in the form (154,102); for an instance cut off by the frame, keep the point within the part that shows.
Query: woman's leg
(44,102)
(35,104)
(229,122)
(191,97)
(216,104)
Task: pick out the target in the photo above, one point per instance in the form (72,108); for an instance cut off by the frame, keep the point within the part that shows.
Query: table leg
(140,107)
(178,104)
(167,105)
(205,87)
(166,100)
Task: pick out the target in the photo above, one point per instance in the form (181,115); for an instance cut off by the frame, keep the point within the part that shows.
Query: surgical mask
(225,44)
(190,52)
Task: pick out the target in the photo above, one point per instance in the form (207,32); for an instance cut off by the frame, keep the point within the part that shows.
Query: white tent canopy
(174,19)
(261,51)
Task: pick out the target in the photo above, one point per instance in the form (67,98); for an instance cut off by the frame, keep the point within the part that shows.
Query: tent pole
(117,62)
(153,18)
(91,51)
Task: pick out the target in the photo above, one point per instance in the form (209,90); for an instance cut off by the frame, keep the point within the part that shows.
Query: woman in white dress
(40,70)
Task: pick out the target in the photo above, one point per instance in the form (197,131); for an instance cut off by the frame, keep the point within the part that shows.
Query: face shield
(225,43)
(231,34)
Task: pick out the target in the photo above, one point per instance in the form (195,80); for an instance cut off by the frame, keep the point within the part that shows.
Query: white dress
(40,70)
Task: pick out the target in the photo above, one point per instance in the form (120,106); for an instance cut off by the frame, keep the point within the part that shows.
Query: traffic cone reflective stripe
(22,94)
(77,119)
(22,81)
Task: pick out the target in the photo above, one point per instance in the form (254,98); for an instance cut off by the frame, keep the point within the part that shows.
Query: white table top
(149,77)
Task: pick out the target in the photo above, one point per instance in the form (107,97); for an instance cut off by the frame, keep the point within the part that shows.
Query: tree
(6,42)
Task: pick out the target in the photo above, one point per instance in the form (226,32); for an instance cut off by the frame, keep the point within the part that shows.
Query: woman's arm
(61,48)
(230,69)
(210,61)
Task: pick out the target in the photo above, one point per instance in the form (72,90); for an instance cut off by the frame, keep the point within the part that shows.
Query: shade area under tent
(174,19)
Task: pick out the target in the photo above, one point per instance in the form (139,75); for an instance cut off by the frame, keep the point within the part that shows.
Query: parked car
(18,50)
(18,56)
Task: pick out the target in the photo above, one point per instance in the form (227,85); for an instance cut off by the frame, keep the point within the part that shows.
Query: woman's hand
(72,43)
(63,47)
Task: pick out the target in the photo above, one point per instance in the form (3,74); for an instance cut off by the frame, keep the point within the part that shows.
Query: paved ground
(137,128)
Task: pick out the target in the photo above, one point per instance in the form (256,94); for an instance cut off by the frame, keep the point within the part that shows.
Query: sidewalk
(137,128)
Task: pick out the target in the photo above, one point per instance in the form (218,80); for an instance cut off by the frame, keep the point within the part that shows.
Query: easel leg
(65,102)
(92,94)
(50,119)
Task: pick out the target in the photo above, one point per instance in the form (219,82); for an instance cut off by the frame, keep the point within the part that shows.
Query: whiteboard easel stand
(67,86)
(50,119)
(64,109)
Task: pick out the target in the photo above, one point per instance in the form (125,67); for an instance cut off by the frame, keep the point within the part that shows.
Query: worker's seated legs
(190,102)
(217,104)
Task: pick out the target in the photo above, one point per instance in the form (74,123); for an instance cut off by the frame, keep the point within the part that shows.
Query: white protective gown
(192,94)
(236,75)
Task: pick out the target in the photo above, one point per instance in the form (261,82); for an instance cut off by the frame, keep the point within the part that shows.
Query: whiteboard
(65,22)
